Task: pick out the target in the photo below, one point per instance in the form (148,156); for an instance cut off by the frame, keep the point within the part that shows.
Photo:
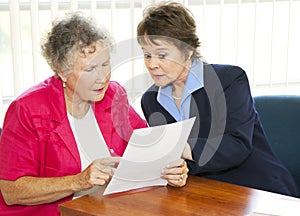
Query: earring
(64,84)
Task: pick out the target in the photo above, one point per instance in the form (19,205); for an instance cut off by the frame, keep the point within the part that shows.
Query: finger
(187,152)
(177,163)
(180,180)
(99,180)
(99,168)
(91,176)
(172,171)
(95,172)
(108,160)
(175,177)
(105,162)
(108,170)
(176,170)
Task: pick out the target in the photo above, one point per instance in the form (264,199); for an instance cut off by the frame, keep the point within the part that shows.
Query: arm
(36,170)
(28,190)
(226,147)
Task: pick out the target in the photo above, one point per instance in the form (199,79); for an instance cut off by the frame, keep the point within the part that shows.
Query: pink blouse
(37,139)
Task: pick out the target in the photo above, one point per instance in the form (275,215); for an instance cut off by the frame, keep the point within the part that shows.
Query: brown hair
(174,22)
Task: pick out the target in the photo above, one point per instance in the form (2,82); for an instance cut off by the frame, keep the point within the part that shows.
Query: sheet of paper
(278,206)
(149,150)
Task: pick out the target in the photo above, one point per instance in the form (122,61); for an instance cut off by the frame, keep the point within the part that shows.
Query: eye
(147,55)
(89,70)
(105,64)
(162,55)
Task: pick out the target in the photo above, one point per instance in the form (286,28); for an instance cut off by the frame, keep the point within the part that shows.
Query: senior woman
(227,142)
(59,136)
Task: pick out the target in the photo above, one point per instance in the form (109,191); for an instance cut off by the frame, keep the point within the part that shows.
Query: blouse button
(112,151)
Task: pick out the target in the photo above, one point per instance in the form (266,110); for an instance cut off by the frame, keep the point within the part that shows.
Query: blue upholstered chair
(280,116)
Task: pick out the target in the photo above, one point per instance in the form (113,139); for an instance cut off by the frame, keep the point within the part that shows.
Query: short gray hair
(68,37)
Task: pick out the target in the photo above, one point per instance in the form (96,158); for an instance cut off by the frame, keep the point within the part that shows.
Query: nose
(103,76)
(153,62)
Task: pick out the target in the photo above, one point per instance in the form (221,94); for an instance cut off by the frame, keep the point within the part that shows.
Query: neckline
(176,98)
(81,117)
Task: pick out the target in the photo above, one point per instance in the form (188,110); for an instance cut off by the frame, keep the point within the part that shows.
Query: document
(283,206)
(279,205)
(149,150)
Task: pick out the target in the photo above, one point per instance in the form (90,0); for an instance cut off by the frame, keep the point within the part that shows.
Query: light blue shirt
(193,82)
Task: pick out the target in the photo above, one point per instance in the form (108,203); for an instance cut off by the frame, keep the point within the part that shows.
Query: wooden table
(199,197)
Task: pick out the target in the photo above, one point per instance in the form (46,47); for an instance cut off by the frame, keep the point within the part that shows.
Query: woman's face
(90,75)
(165,62)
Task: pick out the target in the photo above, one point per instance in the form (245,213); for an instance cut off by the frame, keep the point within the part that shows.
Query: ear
(61,76)
(190,54)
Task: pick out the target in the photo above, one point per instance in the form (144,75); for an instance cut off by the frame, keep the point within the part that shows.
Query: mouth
(100,90)
(157,76)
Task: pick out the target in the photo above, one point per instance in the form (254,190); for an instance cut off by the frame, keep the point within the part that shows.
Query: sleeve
(18,144)
(229,145)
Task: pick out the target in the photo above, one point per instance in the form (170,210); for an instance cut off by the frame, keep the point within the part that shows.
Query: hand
(176,173)
(187,152)
(99,172)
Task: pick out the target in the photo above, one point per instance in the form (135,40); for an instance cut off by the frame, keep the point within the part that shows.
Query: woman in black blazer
(227,142)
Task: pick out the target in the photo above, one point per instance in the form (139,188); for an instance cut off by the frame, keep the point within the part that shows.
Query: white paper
(278,206)
(149,150)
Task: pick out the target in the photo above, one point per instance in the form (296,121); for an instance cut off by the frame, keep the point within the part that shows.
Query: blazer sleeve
(229,142)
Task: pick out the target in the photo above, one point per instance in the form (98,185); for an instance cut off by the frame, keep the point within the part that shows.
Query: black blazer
(227,140)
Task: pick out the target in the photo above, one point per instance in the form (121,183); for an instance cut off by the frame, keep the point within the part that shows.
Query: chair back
(280,117)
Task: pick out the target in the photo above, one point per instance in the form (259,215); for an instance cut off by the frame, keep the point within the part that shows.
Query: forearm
(218,153)
(29,190)
(35,190)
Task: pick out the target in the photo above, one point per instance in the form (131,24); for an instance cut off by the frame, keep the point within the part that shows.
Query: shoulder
(39,88)
(226,73)
(115,88)
(151,92)
(38,102)
(40,93)
(114,85)
(225,69)
(153,89)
